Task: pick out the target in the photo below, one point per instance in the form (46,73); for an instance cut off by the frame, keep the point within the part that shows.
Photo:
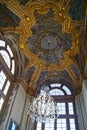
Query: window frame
(3,68)
(66,98)
(11,57)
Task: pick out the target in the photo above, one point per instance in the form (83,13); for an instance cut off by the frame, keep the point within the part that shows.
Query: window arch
(59,89)
(7,55)
(55,92)
(64,98)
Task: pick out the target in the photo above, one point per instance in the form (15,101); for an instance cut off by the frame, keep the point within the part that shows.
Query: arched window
(7,55)
(67,119)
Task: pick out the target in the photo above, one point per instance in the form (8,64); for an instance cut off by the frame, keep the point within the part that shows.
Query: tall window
(67,115)
(7,55)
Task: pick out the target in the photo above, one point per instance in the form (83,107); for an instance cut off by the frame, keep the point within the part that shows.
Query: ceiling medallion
(49,42)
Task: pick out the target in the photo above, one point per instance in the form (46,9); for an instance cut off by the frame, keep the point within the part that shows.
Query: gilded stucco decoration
(36,22)
(59,17)
(48,41)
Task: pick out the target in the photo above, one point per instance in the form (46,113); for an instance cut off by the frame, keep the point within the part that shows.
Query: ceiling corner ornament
(31,29)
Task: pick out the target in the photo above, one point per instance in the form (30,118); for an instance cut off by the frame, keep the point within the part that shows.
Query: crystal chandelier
(43,108)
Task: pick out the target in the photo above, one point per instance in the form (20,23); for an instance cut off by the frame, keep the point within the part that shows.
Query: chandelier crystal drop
(43,108)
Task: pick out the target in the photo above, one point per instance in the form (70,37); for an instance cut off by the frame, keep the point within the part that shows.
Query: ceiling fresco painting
(23,2)
(47,40)
(7,17)
(75,70)
(77,10)
(48,34)
(29,74)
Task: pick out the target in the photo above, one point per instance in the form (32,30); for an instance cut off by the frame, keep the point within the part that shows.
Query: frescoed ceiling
(50,34)
(7,17)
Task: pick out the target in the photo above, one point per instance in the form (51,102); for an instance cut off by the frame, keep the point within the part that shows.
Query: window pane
(5,57)
(38,126)
(1,102)
(6,88)
(61,124)
(10,51)
(72,124)
(55,85)
(56,92)
(13,67)
(2,79)
(70,105)
(62,108)
(2,43)
(49,126)
(67,90)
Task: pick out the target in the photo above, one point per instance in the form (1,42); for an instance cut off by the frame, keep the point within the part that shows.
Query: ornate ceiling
(50,36)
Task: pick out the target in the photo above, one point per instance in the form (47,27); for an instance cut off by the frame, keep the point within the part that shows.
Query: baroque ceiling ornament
(47,40)
(46,22)
(51,22)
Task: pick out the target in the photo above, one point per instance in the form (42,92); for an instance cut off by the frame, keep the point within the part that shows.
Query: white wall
(84,95)
(27,123)
(81,106)
(25,118)
(16,107)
